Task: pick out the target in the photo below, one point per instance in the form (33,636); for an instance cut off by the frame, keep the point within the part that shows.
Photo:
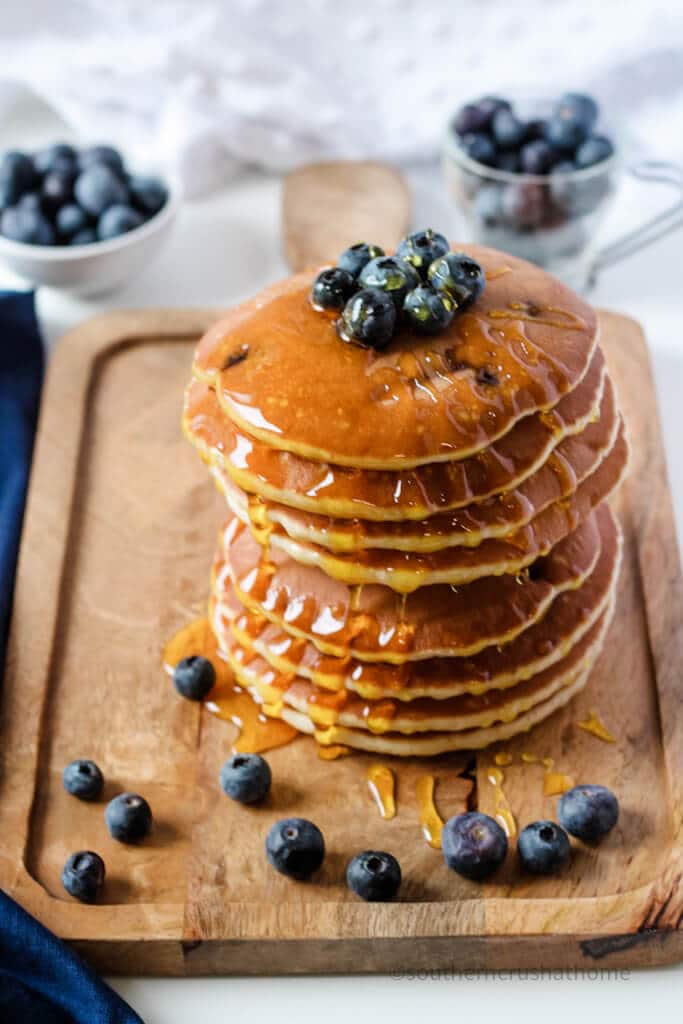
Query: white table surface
(223,249)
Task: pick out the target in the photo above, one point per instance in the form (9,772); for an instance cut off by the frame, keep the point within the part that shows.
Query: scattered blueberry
(26,225)
(479,148)
(332,288)
(593,151)
(128,817)
(356,256)
(507,130)
(98,187)
(246,778)
(194,677)
(70,219)
(54,157)
(85,237)
(58,189)
(588,812)
(148,194)
(101,155)
(427,310)
(82,778)
(578,107)
(368,318)
(543,847)
(374,876)
(422,248)
(17,175)
(117,220)
(391,275)
(295,847)
(83,876)
(473,844)
(459,275)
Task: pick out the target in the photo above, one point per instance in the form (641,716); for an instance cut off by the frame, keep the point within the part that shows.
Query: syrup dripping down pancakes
(418,555)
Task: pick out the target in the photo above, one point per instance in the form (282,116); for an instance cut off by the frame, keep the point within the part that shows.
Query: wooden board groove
(119,531)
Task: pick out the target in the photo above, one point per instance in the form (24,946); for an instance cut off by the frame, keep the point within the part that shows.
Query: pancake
(574,459)
(566,622)
(406,571)
(525,343)
(347,492)
(372,623)
(432,744)
(452,714)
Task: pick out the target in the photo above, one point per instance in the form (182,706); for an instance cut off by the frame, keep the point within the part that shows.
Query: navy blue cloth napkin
(41,981)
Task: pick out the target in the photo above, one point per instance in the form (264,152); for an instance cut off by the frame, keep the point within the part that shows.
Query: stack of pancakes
(419,557)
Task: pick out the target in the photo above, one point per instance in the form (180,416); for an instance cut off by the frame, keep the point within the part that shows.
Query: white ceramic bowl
(98,267)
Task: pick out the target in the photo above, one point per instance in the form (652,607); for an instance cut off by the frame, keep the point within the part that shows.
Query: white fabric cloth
(202,86)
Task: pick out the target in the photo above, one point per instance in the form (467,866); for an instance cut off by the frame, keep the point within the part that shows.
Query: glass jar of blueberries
(534,178)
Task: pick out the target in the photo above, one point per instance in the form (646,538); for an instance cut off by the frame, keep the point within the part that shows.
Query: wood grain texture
(326,204)
(118,539)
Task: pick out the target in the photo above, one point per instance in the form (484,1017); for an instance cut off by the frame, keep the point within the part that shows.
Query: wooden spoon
(329,206)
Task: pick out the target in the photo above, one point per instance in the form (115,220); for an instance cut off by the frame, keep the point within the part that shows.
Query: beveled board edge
(637,927)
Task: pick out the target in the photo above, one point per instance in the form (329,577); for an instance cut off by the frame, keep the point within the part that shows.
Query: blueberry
(58,189)
(194,677)
(593,151)
(476,117)
(17,175)
(508,160)
(535,129)
(564,133)
(523,206)
(70,219)
(246,778)
(26,225)
(295,847)
(507,130)
(82,778)
(83,876)
(459,275)
(58,156)
(488,205)
(473,844)
(537,157)
(31,201)
(98,188)
(148,194)
(543,847)
(576,106)
(85,237)
(368,318)
(117,220)
(427,310)
(422,248)
(332,288)
(479,148)
(356,256)
(391,275)
(128,817)
(588,812)
(373,875)
(102,155)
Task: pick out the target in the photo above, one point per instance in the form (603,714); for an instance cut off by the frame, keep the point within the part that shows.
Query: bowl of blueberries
(79,219)
(533,177)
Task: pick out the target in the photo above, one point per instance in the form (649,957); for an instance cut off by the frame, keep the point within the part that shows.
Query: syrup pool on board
(381,784)
(430,819)
(596,727)
(228,701)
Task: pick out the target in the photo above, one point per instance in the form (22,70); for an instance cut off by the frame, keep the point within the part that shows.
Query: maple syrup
(554,783)
(381,784)
(431,822)
(502,811)
(596,727)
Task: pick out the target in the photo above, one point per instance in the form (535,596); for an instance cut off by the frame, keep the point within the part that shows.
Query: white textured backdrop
(203,85)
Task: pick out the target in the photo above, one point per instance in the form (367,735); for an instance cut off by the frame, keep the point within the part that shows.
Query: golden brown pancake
(282,374)
(373,623)
(567,620)
(451,714)
(567,466)
(414,494)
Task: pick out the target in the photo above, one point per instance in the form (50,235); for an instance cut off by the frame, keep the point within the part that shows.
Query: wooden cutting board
(117,544)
